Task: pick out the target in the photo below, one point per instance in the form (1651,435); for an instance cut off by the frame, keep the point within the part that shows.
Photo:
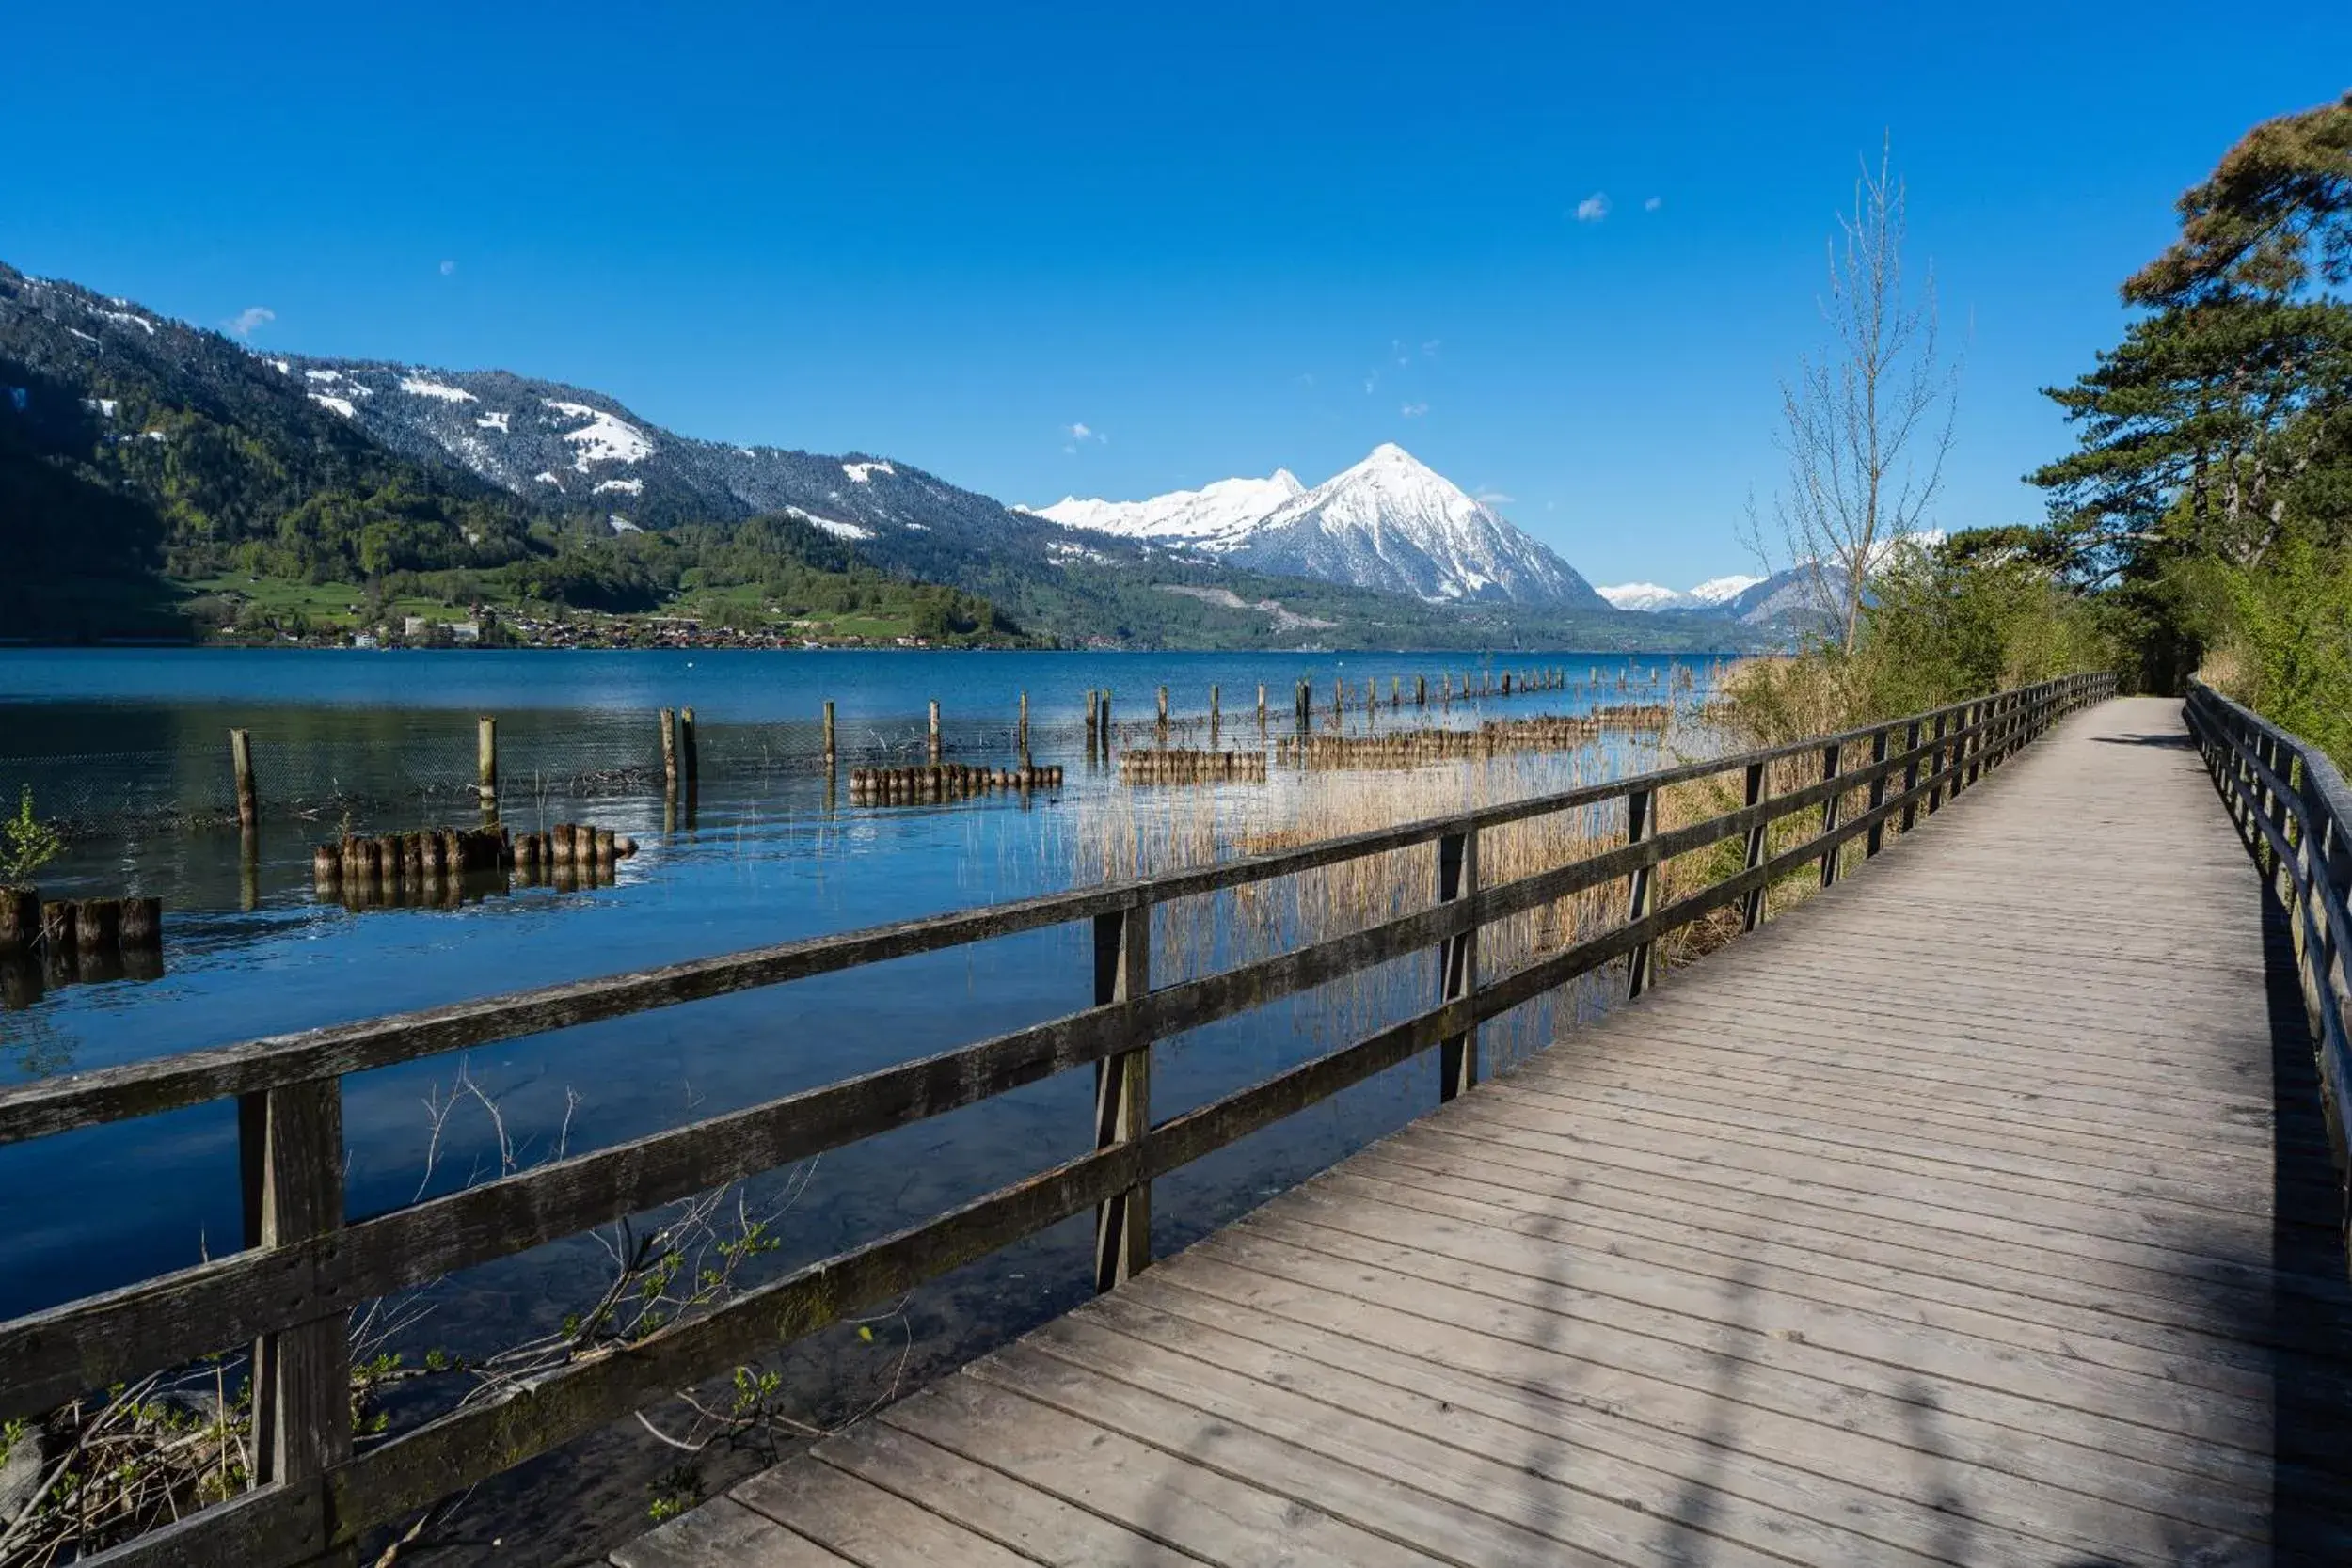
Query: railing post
(1752,907)
(1832,764)
(290,1141)
(1639,810)
(1911,777)
(1877,837)
(1457,960)
(1936,761)
(1972,746)
(1122,1093)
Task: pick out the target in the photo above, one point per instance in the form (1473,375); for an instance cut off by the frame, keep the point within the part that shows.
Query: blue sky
(1221,239)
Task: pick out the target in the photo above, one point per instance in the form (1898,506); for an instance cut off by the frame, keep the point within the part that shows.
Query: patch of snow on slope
(626,486)
(340,406)
(103,405)
(283,368)
(863,473)
(839,530)
(604,438)
(419,386)
(128,319)
(495,421)
(622,525)
(548,478)
(84,336)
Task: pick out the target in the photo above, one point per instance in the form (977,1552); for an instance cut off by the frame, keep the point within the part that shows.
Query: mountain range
(138,453)
(1709,595)
(1391,522)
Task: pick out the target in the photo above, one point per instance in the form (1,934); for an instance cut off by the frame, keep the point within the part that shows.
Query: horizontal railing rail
(2295,812)
(304,1269)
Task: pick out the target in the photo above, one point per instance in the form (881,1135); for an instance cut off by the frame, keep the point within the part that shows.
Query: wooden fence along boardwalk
(1977,1212)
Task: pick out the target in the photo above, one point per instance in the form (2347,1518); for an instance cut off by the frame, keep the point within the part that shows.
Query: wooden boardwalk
(1977,1212)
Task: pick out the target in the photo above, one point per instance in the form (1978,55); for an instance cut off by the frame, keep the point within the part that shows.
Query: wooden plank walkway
(1977,1212)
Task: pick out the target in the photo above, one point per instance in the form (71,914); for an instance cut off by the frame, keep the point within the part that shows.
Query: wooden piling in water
(935,746)
(486,746)
(828,750)
(1024,746)
(20,920)
(1262,707)
(98,924)
(142,923)
(689,749)
(60,920)
(240,762)
(669,750)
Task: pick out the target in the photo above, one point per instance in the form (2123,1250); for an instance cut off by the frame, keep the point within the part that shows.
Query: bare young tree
(1866,423)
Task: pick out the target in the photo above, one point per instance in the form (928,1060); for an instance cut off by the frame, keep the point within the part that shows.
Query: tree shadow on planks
(2169,740)
(2291,1305)
(2311,1328)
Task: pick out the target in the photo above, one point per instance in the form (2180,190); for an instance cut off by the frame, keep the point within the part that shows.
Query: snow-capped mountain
(580,452)
(1213,517)
(1652,596)
(1391,523)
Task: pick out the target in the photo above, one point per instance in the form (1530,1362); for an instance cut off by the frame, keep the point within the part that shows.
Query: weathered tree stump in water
(20,920)
(98,924)
(142,924)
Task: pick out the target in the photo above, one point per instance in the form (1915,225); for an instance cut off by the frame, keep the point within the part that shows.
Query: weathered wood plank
(1166,1496)
(722,1533)
(990,1503)
(865,1523)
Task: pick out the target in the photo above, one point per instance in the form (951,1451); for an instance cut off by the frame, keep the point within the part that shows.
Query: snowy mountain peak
(1390,522)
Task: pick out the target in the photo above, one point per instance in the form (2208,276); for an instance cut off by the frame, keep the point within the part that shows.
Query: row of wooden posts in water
(1179,765)
(1494,738)
(944,781)
(431,866)
(77,924)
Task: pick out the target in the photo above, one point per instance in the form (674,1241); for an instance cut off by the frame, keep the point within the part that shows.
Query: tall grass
(1124,835)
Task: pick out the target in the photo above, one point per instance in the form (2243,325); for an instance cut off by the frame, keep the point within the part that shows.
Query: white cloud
(1414,410)
(1429,349)
(1653,203)
(447,267)
(1593,208)
(248,321)
(1081,431)
(1493,497)
(1370,382)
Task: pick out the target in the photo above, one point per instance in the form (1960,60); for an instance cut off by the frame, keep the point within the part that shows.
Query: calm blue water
(771,853)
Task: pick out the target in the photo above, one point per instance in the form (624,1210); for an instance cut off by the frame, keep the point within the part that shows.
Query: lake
(130,746)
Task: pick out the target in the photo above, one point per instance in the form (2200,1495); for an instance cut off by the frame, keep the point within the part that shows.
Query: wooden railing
(288,1294)
(2295,813)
